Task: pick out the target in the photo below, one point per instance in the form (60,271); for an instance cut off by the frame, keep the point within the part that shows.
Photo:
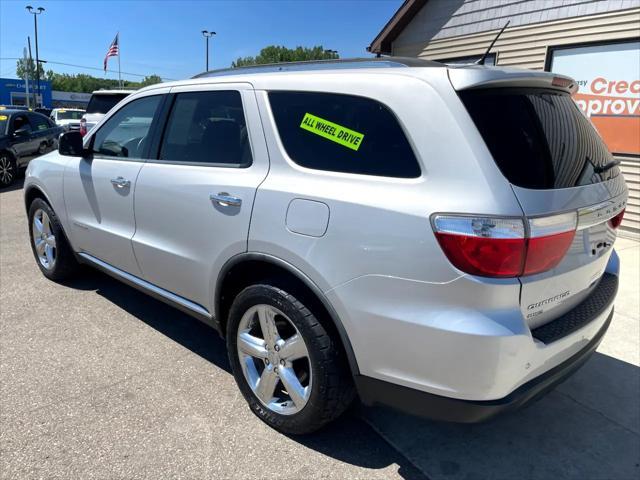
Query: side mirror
(22,132)
(70,144)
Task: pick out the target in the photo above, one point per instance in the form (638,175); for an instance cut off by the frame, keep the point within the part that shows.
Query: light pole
(35,12)
(207,34)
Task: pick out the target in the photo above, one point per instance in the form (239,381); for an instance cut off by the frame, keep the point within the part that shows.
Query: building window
(608,88)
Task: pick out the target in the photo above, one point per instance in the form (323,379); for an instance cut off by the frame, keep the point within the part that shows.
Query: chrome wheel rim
(274,359)
(44,240)
(6,170)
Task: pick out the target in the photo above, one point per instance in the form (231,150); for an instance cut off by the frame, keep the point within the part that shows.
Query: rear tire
(318,377)
(49,244)
(8,169)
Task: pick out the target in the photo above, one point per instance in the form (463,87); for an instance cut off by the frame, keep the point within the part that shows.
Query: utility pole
(30,63)
(207,34)
(35,12)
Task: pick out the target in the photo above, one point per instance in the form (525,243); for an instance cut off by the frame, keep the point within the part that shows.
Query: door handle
(225,200)
(120,182)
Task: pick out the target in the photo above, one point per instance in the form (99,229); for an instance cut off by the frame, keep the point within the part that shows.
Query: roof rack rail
(349,63)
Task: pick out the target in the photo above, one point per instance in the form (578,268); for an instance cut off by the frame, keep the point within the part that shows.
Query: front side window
(21,121)
(342,133)
(126,133)
(207,127)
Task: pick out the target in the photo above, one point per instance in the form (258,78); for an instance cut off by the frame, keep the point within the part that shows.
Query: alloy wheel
(274,359)
(43,239)
(7,172)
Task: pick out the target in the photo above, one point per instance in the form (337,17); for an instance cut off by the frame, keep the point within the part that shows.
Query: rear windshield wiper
(606,167)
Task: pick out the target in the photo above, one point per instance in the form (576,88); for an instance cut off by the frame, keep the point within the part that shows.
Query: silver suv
(434,238)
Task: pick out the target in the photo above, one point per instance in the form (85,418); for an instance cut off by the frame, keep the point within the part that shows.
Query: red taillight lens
(487,257)
(498,247)
(544,253)
(83,127)
(617,220)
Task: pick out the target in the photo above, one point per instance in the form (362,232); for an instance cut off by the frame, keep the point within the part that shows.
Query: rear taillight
(502,247)
(83,127)
(617,220)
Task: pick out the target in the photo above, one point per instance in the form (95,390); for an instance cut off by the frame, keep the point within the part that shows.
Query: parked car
(100,103)
(434,238)
(69,118)
(44,111)
(23,136)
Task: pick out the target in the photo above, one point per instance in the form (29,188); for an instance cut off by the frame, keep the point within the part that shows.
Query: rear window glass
(539,138)
(104,103)
(342,133)
(70,114)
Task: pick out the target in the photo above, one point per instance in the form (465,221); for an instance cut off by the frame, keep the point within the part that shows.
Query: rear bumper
(378,392)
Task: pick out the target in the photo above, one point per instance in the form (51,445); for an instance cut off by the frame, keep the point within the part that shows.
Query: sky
(164,37)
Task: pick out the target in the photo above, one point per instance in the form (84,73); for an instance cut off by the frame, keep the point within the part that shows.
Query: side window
(207,127)
(125,134)
(39,122)
(342,133)
(20,121)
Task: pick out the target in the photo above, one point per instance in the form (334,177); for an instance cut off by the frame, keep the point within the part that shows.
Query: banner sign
(608,81)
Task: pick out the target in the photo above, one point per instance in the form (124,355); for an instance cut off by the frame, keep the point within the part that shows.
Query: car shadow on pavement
(17,185)
(587,428)
(349,440)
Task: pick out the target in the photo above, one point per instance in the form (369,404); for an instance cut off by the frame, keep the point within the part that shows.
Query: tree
(26,67)
(150,80)
(279,54)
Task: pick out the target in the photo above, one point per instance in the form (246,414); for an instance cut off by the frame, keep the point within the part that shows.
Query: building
(594,41)
(69,99)
(14,92)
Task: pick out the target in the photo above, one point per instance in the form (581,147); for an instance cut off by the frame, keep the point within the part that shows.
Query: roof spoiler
(473,77)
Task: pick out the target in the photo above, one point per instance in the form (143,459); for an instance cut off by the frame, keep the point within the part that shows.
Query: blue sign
(12,91)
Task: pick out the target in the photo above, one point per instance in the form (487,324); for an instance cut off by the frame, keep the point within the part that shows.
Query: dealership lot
(100,381)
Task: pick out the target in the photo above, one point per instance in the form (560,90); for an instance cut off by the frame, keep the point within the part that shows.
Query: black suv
(23,135)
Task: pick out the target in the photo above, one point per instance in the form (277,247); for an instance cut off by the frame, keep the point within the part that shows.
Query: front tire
(288,367)
(49,244)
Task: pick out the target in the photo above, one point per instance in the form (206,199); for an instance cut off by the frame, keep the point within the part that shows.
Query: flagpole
(119,50)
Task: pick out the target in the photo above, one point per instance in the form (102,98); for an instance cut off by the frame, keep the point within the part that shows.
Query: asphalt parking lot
(100,381)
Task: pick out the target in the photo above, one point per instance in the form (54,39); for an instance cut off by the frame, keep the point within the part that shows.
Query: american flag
(113,51)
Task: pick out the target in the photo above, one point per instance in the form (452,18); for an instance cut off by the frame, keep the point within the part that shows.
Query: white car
(435,238)
(69,118)
(100,103)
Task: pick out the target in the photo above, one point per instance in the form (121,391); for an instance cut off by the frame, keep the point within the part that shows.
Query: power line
(84,66)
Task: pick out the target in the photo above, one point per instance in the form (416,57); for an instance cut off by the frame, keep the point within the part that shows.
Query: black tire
(8,169)
(65,264)
(332,390)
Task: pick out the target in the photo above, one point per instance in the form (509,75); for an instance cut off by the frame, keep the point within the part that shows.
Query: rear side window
(539,138)
(342,133)
(103,103)
(39,122)
(207,127)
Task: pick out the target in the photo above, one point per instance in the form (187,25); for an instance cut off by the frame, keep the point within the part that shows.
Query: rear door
(556,163)
(194,198)
(99,189)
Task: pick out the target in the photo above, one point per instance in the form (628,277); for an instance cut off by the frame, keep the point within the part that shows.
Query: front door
(99,190)
(194,200)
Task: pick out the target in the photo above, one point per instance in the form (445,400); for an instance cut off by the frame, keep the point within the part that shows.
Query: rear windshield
(70,114)
(104,103)
(539,138)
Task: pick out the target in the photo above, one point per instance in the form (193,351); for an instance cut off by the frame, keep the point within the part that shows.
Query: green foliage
(28,66)
(278,54)
(80,82)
